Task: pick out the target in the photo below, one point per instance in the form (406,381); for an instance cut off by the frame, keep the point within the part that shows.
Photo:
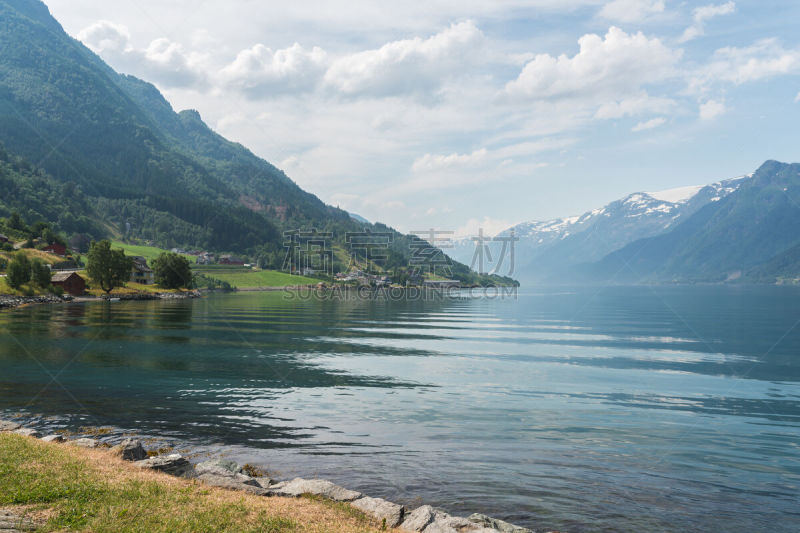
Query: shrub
(19,271)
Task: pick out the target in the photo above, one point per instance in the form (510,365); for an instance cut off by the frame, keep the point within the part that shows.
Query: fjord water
(614,409)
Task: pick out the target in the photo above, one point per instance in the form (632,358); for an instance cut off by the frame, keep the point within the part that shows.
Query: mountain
(546,250)
(103,154)
(359,218)
(119,140)
(752,233)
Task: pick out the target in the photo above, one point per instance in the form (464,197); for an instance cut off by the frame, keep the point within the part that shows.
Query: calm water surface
(617,409)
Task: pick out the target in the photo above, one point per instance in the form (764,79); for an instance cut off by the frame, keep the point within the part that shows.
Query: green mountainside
(105,155)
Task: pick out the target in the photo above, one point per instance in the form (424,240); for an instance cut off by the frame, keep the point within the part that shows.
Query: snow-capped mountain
(545,247)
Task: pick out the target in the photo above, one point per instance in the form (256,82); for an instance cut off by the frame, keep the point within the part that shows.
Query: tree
(15,222)
(19,271)
(41,275)
(108,268)
(172,271)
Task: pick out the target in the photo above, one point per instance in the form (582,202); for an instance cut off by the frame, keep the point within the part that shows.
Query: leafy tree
(108,268)
(19,271)
(15,222)
(40,274)
(172,271)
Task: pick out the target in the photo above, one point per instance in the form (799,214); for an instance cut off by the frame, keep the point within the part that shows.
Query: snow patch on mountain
(677,195)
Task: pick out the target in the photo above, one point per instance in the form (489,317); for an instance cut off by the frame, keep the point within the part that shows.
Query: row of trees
(107,268)
(21,270)
(112,268)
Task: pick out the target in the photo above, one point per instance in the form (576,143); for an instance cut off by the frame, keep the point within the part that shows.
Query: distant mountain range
(741,229)
(102,154)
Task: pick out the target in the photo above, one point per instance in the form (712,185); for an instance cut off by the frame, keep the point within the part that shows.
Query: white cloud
(711,109)
(701,15)
(605,68)
(764,59)
(631,10)
(797,98)
(407,66)
(639,104)
(260,72)
(431,162)
(649,124)
(163,61)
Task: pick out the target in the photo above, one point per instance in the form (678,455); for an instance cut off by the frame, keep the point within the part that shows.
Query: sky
(467,114)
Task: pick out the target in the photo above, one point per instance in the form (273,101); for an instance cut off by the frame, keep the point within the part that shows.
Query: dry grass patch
(91,490)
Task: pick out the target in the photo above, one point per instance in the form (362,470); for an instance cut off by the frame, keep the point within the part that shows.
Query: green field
(148,252)
(242,278)
(237,276)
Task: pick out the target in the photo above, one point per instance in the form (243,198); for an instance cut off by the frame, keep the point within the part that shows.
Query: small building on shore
(141,273)
(3,238)
(71,282)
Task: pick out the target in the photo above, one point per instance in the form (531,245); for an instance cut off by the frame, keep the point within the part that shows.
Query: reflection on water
(617,409)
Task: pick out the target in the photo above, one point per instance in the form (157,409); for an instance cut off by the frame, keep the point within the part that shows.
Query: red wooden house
(56,248)
(71,282)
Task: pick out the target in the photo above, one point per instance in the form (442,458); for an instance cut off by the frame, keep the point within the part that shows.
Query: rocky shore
(231,476)
(10,302)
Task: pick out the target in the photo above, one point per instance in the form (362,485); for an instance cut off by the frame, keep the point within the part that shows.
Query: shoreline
(225,474)
(8,302)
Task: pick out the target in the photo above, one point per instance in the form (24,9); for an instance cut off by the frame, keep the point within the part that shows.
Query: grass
(148,252)
(242,277)
(90,490)
(29,289)
(237,276)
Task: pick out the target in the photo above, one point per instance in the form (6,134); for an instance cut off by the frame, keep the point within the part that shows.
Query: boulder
(234,481)
(173,464)
(53,438)
(28,432)
(130,450)
(495,524)
(427,519)
(419,518)
(320,487)
(263,482)
(12,522)
(444,523)
(220,472)
(7,425)
(380,509)
(85,442)
(218,466)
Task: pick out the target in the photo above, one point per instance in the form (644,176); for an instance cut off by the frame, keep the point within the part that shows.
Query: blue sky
(459,115)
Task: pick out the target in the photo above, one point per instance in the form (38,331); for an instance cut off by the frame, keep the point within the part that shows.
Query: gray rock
(85,442)
(173,464)
(444,523)
(496,525)
(381,509)
(320,487)
(419,518)
(263,482)
(234,481)
(430,520)
(218,466)
(7,425)
(130,450)
(28,432)
(53,438)
(11,522)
